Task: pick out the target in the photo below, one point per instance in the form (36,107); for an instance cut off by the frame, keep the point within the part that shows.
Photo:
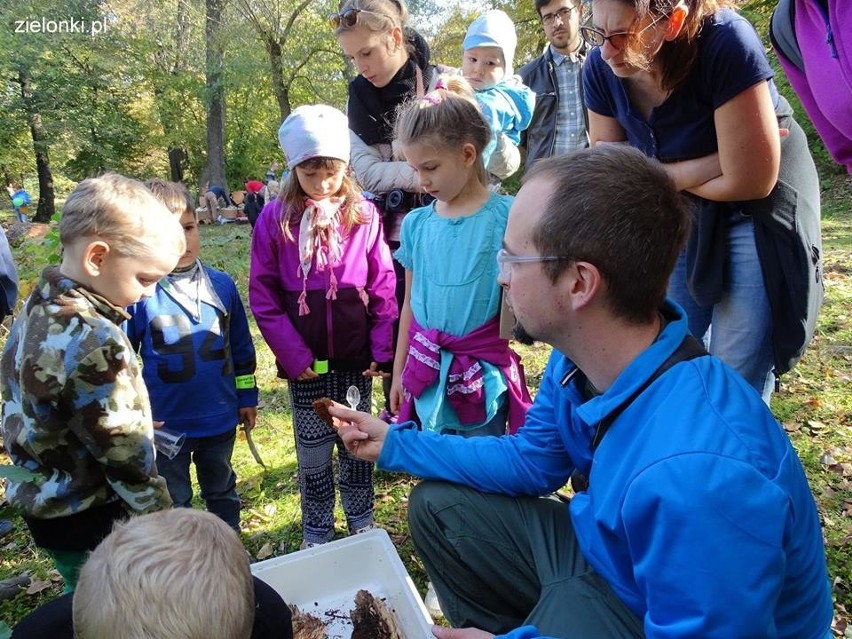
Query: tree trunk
(273,47)
(177,159)
(177,154)
(215,94)
(46,201)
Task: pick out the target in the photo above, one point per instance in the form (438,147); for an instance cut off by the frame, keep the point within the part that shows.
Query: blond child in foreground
(174,574)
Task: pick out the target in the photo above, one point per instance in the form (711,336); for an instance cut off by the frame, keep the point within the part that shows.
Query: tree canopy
(185,89)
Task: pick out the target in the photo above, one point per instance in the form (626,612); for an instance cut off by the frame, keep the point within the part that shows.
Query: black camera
(398,201)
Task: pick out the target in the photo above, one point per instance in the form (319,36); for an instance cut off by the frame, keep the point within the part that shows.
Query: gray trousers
(500,562)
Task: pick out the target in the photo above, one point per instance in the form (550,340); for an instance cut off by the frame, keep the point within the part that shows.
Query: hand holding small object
(248,417)
(362,434)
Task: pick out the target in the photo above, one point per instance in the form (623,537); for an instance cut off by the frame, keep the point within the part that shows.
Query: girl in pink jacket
(321,289)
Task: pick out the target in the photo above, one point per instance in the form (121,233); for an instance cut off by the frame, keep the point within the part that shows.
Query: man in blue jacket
(697,519)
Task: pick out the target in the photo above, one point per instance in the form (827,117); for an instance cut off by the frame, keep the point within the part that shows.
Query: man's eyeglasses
(564,14)
(505,260)
(348,19)
(618,40)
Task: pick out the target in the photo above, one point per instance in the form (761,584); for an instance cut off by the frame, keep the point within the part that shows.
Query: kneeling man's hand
(362,434)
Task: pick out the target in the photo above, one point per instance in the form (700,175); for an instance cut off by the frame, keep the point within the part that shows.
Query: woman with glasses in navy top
(688,83)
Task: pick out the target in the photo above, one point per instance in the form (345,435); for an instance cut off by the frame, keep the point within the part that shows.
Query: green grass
(814,404)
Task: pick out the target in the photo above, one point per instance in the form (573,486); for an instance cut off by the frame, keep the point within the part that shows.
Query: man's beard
(521,335)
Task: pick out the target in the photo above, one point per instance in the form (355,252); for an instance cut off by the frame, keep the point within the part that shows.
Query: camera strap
(418,82)
(689,348)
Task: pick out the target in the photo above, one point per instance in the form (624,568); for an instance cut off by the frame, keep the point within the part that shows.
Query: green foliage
(446,43)
(83,90)
(33,254)
(122,99)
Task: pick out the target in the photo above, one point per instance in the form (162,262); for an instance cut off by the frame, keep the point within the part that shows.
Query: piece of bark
(305,625)
(372,619)
(321,409)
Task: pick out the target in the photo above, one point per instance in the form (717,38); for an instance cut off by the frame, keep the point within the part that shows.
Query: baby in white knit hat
(488,54)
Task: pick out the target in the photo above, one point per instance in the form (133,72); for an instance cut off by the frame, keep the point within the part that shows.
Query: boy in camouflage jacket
(75,410)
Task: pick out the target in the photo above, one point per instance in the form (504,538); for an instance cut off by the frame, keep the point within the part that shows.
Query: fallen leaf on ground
(254,512)
(827,459)
(37,586)
(265,552)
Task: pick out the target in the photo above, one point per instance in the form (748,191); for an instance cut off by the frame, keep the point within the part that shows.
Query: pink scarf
(319,238)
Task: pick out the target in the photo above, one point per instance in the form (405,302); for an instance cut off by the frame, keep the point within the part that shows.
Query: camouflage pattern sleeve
(75,410)
(112,419)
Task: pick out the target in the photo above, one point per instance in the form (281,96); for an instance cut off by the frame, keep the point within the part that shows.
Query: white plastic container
(323,580)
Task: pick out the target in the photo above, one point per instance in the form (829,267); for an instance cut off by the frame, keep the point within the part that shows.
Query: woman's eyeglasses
(349,18)
(618,40)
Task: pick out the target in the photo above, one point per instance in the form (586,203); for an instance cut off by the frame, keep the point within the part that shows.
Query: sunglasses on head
(349,18)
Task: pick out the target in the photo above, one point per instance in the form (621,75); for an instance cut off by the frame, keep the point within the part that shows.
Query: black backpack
(252,206)
(783,33)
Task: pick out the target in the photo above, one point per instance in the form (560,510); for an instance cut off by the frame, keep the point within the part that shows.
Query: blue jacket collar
(640,369)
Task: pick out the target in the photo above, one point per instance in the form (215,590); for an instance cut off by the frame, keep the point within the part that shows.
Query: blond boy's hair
(118,210)
(173,574)
(173,195)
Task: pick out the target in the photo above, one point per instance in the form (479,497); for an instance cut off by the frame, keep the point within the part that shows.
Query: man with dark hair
(693,517)
(559,123)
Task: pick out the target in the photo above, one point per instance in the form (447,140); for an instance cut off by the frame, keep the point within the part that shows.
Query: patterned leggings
(315,444)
